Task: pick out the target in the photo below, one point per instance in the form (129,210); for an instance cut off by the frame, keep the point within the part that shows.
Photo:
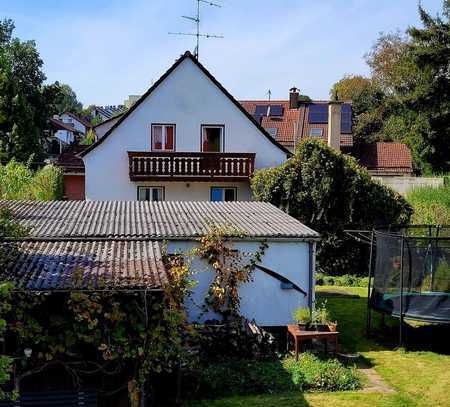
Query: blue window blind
(318,113)
(346,118)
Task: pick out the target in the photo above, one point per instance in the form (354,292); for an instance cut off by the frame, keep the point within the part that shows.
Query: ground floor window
(150,193)
(223,194)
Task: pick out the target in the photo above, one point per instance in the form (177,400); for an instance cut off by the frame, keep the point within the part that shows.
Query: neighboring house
(62,135)
(77,122)
(102,128)
(73,170)
(290,121)
(107,112)
(102,240)
(185,139)
(386,159)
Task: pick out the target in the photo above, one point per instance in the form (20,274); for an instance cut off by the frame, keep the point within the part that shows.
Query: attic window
(261,110)
(275,111)
(272,131)
(316,132)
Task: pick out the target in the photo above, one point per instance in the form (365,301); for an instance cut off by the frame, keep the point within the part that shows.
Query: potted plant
(332,326)
(320,318)
(303,317)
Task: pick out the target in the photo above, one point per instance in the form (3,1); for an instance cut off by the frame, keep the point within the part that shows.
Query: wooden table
(300,336)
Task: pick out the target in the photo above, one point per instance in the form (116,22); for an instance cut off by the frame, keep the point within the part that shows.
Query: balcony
(181,166)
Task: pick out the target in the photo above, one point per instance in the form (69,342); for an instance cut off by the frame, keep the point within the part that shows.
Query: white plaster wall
(65,136)
(261,299)
(76,124)
(405,184)
(197,191)
(102,128)
(189,99)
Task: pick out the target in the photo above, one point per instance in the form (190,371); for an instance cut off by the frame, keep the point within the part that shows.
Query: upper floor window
(212,138)
(163,137)
(150,193)
(316,132)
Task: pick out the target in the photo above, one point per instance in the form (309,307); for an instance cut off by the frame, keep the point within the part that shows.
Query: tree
(66,100)
(426,101)
(329,192)
(25,102)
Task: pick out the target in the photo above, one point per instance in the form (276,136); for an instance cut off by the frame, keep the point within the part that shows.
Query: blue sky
(107,49)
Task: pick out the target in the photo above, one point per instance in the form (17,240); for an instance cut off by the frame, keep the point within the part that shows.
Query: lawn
(420,377)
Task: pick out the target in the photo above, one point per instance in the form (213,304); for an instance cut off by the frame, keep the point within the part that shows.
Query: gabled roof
(60,125)
(187,55)
(154,220)
(82,120)
(386,158)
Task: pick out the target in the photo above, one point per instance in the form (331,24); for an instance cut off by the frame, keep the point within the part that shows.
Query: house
(185,139)
(107,112)
(292,120)
(103,127)
(73,171)
(61,135)
(118,245)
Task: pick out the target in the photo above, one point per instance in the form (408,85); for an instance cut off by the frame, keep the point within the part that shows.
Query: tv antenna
(196,20)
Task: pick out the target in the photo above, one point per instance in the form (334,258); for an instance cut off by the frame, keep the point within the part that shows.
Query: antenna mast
(196,20)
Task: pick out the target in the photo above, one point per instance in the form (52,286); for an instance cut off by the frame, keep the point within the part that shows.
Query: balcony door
(212,138)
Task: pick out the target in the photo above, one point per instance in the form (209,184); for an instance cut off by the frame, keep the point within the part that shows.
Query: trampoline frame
(402,271)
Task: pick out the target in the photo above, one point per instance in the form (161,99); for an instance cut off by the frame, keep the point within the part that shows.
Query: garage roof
(154,220)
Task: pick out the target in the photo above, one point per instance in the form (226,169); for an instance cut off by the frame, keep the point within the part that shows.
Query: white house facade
(187,138)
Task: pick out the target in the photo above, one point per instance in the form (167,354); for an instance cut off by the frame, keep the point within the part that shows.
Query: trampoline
(409,273)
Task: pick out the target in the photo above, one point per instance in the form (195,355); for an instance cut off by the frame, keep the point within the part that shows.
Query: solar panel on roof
(346,119)
(261,110)
(318,113)
(276,110)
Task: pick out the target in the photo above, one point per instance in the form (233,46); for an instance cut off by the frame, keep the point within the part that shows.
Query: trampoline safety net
(412,273)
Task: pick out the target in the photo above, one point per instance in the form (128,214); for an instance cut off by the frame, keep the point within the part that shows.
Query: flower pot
(303,327)
(332,327)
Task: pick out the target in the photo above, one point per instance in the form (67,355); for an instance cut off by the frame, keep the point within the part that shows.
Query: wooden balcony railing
(174,166)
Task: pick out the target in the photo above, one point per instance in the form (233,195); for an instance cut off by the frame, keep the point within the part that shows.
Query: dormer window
(212,138)
(163,137)
(316,132)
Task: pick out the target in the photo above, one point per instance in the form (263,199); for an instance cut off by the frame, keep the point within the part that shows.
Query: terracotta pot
(332,327)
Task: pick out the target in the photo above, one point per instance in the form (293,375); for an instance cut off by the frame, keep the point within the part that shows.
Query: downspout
(312,272)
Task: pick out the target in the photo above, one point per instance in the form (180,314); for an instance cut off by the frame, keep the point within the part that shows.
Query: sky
(108,49)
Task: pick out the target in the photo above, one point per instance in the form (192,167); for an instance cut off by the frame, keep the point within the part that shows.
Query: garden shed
(98,243)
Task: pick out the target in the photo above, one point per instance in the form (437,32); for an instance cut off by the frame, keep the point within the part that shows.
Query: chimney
(334,124)
(293,98)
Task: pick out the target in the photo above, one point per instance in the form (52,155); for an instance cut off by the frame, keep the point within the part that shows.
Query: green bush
(18,181)
(431,205)
(48,184)
(329,192)
(345,280)
(250,377)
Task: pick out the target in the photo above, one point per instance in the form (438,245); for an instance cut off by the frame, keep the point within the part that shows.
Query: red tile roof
(294,123)
(386,158)
(69,161)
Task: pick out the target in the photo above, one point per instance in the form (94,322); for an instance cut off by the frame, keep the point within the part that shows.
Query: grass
(421,378)
(431,205)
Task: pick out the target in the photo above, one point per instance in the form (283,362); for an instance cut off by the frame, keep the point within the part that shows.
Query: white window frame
(164,136)
(151,188)
(235,190)
(213,126)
